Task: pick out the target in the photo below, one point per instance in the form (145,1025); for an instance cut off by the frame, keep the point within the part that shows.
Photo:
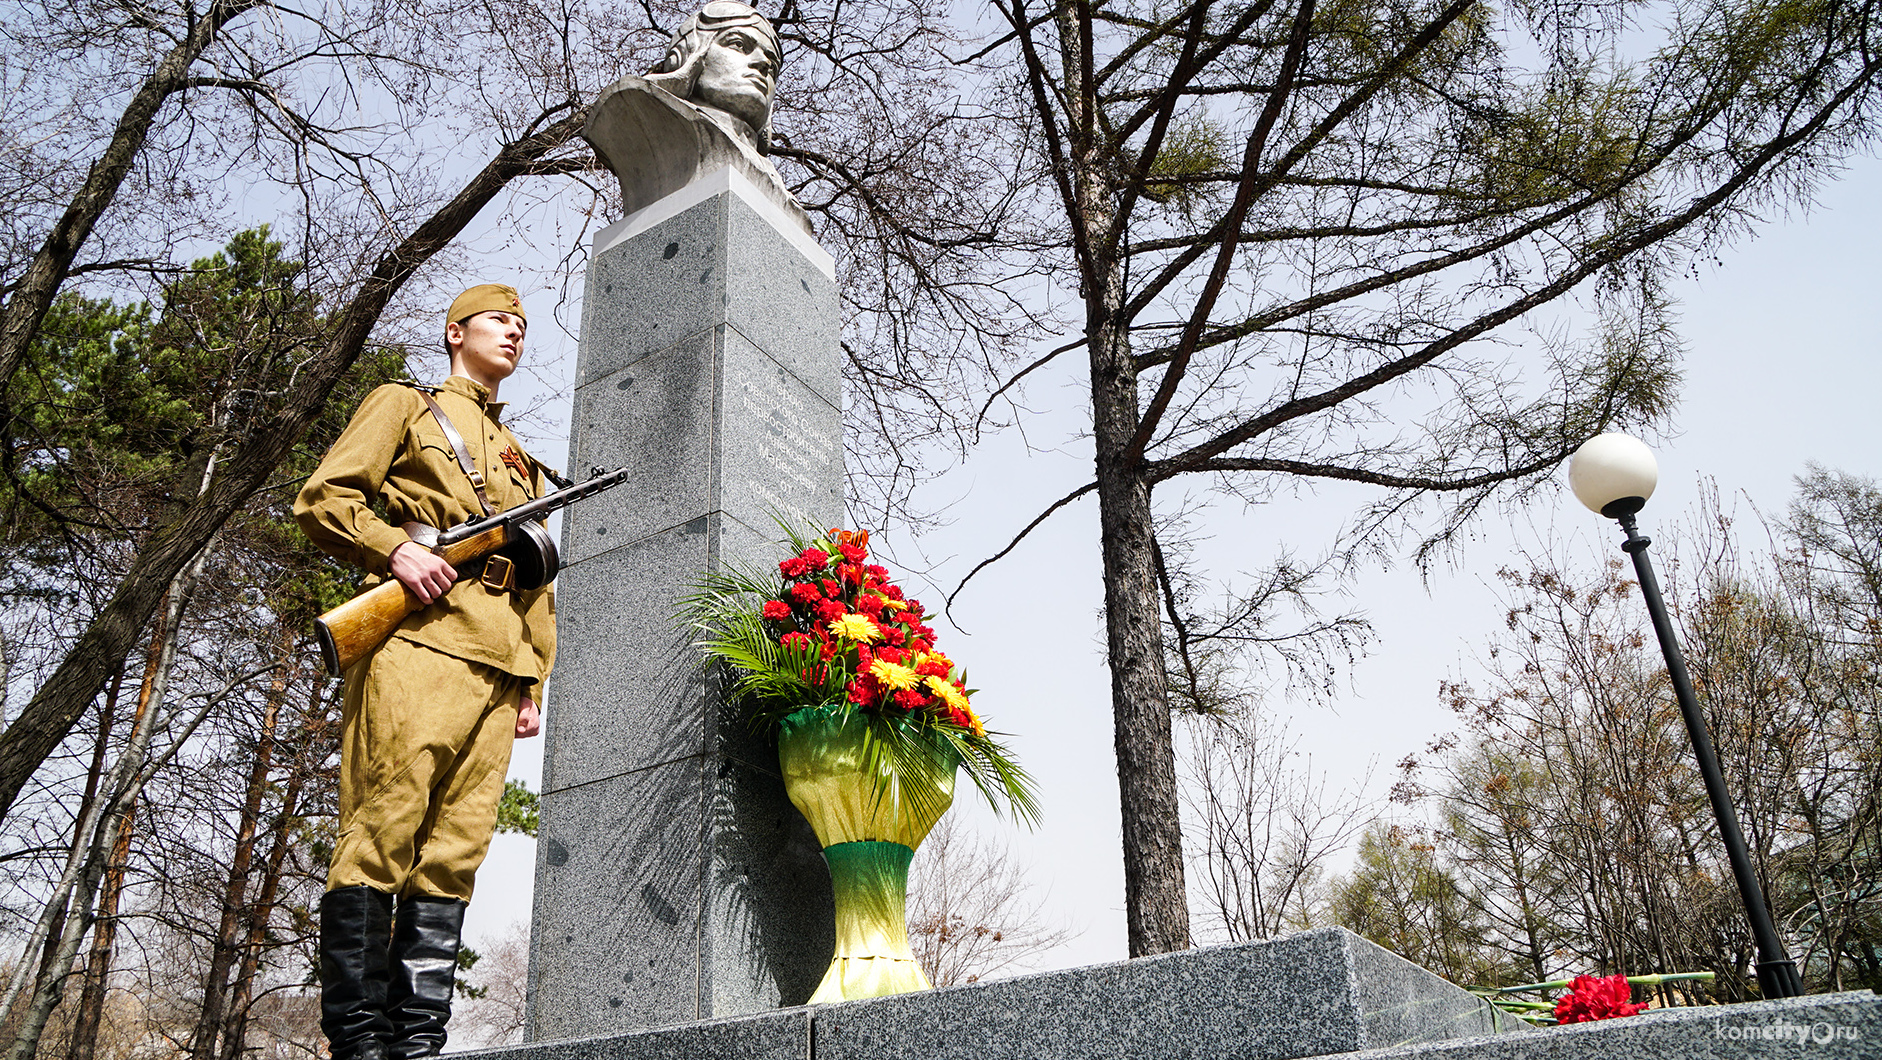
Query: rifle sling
(463,455)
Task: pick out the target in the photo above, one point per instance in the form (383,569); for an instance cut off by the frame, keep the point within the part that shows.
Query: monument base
(1318,993)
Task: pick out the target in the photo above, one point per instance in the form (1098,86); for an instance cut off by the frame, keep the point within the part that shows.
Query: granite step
(1842,1026)
(1317,993)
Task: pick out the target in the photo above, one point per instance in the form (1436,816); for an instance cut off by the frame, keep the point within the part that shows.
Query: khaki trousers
(424,747)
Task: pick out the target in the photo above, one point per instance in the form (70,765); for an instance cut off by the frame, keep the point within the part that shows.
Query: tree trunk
(235,1025)
(101,831)
(1155,901)
(222,957)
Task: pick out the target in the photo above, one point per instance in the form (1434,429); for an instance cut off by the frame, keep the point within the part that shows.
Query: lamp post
(1614,474)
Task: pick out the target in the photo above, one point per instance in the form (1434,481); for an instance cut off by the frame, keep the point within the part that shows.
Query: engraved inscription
(796,443)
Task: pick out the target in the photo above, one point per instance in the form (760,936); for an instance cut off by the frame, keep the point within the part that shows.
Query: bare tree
(1304,240)
(494,1017)
(971,912)
(1570,816)
(1267,829)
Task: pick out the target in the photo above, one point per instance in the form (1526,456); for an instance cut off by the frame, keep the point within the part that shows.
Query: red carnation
(878,572)
(893,655)
(831,588)
(829,610)
(805,594)
(795,567)
(815,559)
(910,699)
(894,591)
(1595,998)
(853,553)
(870,604)
(777,610)
(795,641)
(893,634)
(959,718)
(933,668)
(919,645)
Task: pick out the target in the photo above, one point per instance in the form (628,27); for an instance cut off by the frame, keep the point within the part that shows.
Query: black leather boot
(424,972)
(355,941)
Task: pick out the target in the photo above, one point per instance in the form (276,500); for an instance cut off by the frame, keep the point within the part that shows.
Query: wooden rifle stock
(356,627)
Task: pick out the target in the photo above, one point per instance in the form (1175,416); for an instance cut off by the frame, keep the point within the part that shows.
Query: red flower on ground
(777,610)
(1595,998)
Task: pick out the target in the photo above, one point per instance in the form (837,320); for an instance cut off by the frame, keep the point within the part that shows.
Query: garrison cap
(484,298)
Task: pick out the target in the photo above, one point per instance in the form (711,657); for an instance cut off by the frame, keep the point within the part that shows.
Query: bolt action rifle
(516,550)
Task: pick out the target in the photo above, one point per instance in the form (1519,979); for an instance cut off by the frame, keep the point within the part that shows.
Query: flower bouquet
(1589,997)
(872,721)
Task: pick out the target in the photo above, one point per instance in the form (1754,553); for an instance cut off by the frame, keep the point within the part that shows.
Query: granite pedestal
(674,880)
(1845,1026)
(1318,993)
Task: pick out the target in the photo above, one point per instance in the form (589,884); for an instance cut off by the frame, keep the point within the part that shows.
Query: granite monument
(674,880)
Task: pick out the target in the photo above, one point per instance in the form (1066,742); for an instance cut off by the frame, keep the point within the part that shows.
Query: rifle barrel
(542,505)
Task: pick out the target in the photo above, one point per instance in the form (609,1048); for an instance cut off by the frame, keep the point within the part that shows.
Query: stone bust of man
(707,104)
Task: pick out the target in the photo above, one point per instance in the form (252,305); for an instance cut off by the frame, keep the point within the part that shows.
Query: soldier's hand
(425,574)
(528,719)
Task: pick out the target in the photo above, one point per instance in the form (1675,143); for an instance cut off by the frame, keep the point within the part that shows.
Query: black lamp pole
(1777,973)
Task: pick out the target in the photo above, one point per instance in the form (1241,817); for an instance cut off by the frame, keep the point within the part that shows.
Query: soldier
(430,714)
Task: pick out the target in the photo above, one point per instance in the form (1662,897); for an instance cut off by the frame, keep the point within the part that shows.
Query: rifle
(514,539)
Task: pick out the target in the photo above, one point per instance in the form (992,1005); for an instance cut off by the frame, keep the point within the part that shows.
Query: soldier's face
(486,346)
(740,75)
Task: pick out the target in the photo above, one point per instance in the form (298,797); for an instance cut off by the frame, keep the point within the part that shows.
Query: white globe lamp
(1613,474)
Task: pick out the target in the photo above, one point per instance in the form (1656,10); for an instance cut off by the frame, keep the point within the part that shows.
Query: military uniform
(431,713)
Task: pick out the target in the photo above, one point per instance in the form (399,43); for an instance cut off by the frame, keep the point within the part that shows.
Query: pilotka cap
(484,298)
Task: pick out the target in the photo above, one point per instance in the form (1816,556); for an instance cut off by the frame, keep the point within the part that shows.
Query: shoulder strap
(463,455)
(550,473)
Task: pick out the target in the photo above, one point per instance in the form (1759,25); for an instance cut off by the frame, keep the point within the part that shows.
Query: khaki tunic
(394,451)
(430,714)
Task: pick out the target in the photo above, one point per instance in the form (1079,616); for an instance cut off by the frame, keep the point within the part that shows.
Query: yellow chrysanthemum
(945,689)
(894,676)
(857,628)
(894,605)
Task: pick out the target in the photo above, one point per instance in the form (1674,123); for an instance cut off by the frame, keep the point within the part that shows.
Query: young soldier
(431,713)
